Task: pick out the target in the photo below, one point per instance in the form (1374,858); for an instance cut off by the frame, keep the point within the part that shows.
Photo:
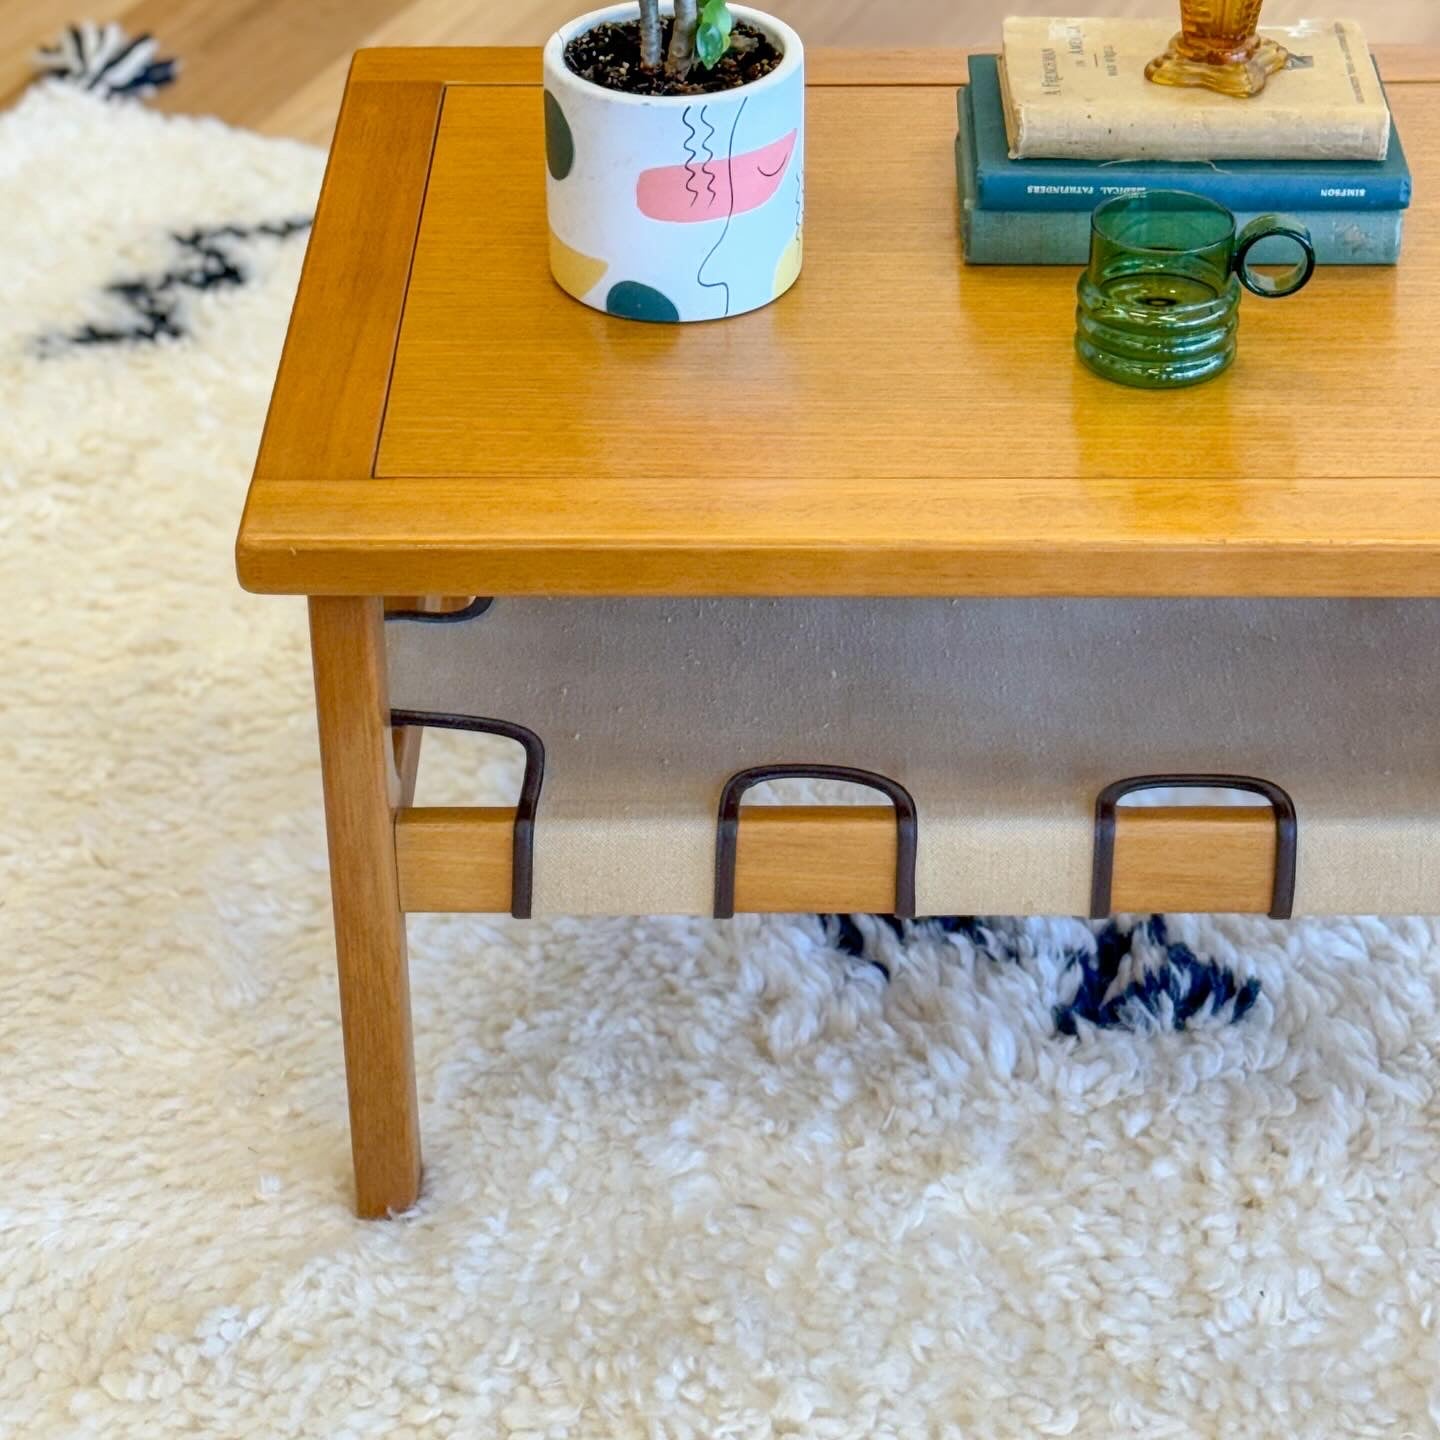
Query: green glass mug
(1159,303)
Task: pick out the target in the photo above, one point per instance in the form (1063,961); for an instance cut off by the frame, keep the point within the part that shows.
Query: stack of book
(1065,120)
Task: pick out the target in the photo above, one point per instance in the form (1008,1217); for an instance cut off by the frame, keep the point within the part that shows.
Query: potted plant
(675,151)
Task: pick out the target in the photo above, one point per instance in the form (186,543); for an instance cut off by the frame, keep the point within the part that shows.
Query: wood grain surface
(361,795)
(384,143)
(842,858)
(890,360)
(897,424)
(279,66)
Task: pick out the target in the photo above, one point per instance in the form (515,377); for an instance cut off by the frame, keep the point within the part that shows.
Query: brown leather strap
(523,865)
(728,832)
(1282,894)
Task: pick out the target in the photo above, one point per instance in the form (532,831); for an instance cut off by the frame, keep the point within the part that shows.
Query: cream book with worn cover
(1075,89)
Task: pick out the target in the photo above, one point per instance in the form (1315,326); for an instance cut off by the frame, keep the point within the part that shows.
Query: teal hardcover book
(1062,237)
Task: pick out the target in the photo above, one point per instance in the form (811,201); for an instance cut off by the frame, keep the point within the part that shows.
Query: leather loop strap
(1282,894)
(727,837)
(523,864)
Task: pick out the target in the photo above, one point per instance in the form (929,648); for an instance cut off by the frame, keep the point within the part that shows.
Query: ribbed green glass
(1159,303)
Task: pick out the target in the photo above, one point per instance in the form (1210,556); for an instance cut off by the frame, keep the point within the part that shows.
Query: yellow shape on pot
(788,270)
(576,273)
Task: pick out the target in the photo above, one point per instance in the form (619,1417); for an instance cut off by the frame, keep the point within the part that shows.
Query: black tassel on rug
(106,61)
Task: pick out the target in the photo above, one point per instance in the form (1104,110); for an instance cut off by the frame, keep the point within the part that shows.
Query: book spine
(1048,189)
(1129,133)
(1010,237)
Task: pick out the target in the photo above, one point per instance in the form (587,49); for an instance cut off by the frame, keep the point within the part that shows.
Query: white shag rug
(684,1179)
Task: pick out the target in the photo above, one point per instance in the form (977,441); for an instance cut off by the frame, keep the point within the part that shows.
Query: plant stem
(682,39)
(651,44)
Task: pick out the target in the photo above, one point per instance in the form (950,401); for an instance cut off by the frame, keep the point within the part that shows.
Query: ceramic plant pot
(676,208)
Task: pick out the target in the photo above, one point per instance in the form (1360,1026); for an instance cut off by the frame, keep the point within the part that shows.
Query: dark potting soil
(609,55)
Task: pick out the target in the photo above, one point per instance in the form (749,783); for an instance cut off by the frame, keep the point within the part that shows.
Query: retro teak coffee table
(886,532)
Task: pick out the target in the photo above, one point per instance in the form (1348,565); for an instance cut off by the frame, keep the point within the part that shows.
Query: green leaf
(712,35)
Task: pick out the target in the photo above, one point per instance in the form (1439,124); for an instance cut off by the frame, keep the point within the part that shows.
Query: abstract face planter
(676,207)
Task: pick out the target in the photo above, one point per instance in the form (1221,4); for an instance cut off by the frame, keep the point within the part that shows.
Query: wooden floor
(278,65)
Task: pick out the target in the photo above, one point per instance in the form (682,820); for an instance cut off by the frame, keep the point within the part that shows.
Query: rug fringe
(106,61)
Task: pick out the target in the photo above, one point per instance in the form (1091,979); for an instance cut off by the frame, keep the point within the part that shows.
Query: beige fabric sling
(1003,719)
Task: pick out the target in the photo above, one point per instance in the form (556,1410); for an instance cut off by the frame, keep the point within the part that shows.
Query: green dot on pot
(641,302)
(559,142)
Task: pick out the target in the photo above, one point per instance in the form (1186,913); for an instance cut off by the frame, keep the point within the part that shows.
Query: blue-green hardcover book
(1062,237)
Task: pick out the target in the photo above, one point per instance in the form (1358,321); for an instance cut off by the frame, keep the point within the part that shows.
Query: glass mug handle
(1295,278)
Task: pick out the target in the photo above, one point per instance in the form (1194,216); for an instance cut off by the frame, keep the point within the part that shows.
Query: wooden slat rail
(1205,858)
(842,857)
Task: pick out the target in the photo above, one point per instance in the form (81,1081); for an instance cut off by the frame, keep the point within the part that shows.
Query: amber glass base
(1238,76)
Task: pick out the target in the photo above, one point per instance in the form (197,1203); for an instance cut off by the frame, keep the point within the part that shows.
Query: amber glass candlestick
(1218,46)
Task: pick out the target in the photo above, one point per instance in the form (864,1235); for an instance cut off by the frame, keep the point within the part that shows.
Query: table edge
(292,545)
(824,65)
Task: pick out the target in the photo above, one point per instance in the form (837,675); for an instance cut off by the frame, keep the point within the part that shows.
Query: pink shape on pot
(687,194)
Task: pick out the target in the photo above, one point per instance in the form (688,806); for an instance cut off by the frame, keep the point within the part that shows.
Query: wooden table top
(446,420)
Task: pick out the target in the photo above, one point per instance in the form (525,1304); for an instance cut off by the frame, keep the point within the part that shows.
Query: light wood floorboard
(278,65)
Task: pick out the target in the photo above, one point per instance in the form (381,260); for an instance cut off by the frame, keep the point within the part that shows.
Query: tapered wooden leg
(361,793)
